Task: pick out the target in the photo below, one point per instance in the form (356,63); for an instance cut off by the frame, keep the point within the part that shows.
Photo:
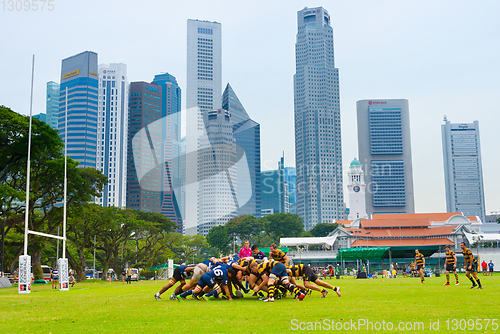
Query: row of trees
(119,236)
(263,231)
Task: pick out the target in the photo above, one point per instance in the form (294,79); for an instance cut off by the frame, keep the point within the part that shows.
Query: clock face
(356,189)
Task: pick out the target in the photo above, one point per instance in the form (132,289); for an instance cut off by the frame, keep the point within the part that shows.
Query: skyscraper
(247,134)
(203,93)
(463,171)
(170,150)
(52,104)
(275,190)
(144,147)
(217,196)
(291,181)
(79,75)
(112,133)
(384,146)
(318,146)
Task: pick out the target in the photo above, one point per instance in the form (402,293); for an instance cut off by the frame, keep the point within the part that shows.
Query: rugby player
(180,274)
(470,266)
(303,270)
(278,255)
(450,265)
(199,270)
(258,255)
(208,282)
(420,262)
(275,270)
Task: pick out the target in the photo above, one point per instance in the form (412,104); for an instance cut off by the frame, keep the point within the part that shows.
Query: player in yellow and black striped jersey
(275,271)
(303,270)
(450,265)
(253,279)
(278,255)
(420,262)
(470,266)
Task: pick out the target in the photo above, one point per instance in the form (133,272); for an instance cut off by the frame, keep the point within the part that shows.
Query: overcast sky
(443,56)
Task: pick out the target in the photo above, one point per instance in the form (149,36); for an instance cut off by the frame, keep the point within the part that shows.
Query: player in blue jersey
(258,255)
(180,274)
(208,282)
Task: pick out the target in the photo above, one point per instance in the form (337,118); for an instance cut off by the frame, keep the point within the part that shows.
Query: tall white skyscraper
(203,93)
(384,146)
(112,131)
(463,171)
(318,146)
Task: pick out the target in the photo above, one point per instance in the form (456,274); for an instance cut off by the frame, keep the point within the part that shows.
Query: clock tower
(357,188)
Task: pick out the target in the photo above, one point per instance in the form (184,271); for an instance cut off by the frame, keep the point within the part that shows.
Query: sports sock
(246,284)
(294,289)
(178,289)
(187,293)
(456,277)
(335,289)
(478,282)
(472,280)
(447,278)
(272,289)
(260,293)
(212,293)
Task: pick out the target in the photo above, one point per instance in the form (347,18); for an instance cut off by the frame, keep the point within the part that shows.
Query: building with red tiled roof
(428,232)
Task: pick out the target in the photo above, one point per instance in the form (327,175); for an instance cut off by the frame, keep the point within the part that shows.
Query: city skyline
(376,61)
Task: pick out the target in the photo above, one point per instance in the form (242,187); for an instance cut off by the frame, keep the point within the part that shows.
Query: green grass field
(120,308)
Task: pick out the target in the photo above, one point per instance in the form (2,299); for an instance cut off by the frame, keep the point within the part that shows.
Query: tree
(323,229)
(46,181)
(218,238)
(185,247)
(244,227)
(284,225)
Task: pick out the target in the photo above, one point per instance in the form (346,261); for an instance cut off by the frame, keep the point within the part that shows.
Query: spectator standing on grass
(123,275)
(490,266)
(484,265)
(55,277)
(129,275)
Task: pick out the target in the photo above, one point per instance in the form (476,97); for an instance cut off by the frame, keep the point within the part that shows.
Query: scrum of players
(268,279)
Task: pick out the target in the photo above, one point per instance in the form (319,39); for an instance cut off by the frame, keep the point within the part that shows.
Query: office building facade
(79,75)
(144,147)
(246,132)
(463,171)
(218,187)
(275,192)
(318,146)
(384,147)
(112,133)
(171,180)
(52,104)
(203,94)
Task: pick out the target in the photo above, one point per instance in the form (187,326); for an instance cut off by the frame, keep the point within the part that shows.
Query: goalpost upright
(24,285)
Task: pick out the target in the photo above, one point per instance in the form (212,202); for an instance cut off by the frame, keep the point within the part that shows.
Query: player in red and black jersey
(470,266)
(450,265)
